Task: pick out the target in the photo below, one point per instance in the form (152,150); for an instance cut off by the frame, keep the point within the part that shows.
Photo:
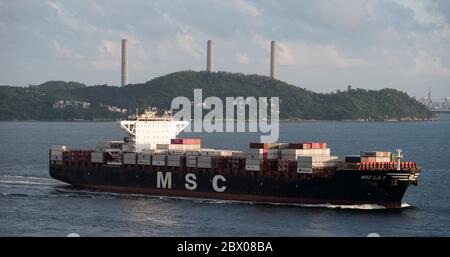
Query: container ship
(152,160)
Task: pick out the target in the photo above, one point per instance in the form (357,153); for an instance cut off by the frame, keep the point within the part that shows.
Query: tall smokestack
(210,57)
(272,59)
(124,62)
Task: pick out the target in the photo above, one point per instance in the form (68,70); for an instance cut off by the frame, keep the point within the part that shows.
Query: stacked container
(287,166)
(106,145)
(262,156)
(175,160)
(56,152)
(97,157)
(253,164)
(191,161)
(375,156)
(295,150)
(236,163)
(178,148)
(159,159)
(306,164)
(144,158)
(129,158)
(186,141)
(76,155)
(214,153)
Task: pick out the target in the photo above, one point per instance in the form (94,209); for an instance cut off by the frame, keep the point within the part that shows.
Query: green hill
(105,102)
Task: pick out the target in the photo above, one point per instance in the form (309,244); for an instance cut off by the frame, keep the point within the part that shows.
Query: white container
(56,157)
(158,162)
(191,164)
(304,170)
(173,163)
(252,162)
(143,156)
(129,161)
(58,148)
(203,164)
(144,162)
(204,159)
(159,157)
(97,157)
(250,167)
(175,157)
(196,153)
(129,155)
(191,158)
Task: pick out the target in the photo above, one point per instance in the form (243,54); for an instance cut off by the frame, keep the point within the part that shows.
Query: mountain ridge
(37,102)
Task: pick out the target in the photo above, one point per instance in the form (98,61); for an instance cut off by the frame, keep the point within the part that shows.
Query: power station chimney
(272,59)
(124,81)
(210,57)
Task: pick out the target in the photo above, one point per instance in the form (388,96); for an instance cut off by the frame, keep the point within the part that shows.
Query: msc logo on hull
(164,181)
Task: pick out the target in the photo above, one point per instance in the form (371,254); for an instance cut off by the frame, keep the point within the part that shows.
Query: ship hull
(344,187)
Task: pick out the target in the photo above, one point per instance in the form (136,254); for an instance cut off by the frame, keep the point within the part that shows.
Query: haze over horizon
(322,45)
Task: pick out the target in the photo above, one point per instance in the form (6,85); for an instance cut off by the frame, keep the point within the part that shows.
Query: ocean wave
(24,182)
(25,177)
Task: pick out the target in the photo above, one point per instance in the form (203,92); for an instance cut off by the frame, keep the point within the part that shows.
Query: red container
(185,141)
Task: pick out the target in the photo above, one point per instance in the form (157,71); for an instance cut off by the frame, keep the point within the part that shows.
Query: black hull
(343,187)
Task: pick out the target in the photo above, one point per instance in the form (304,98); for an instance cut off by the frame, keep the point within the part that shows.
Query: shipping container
(253,161)
(268,145)
(375,154)
(205,165)
(129,161)
(129,155)
(186,141)
(58,148)
(178,147)
(56,157)
(317,161)
(304,170)
(174,163)
(251,167)
(144,162)
(97,157)
(238,154)
(352,158)
(375,159)
(308,145)
(158,162)
(174,157)
(159,157)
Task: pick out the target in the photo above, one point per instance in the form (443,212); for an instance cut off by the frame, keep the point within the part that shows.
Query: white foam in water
(344,206)
(220,201)
(26,177)
(19,182)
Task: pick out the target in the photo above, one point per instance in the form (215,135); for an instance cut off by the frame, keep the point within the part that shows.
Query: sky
(321,45)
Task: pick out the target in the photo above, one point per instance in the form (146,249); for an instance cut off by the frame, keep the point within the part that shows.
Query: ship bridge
(146,130)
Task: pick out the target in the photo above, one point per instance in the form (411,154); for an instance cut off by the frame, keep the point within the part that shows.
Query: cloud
(242,58)
(426,64)
(63,52)
(243,6)
(284,54)
(109,47)
(372,42)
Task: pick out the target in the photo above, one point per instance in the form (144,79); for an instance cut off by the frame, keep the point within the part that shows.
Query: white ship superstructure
(147,130)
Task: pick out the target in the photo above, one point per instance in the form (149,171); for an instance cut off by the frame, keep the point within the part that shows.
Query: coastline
(405,119)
